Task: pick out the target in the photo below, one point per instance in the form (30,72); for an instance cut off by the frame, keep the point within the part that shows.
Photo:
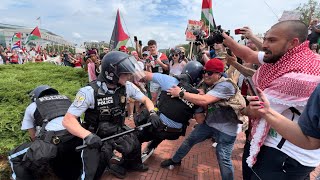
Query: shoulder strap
(294,111)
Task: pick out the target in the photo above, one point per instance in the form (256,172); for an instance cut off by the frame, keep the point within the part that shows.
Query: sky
(162,20)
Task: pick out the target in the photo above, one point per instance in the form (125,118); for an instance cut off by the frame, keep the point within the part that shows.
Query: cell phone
(140,42)
(237,31)
(229,52)
(252,89)
(135,38)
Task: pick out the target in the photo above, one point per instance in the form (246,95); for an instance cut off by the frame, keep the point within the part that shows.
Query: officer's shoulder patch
(80,98)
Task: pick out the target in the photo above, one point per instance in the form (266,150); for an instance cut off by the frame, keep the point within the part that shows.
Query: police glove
(93,141)
(155,119)
(122,145)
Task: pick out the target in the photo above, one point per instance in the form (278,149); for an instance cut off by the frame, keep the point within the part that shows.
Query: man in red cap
(224,102)
(123,49)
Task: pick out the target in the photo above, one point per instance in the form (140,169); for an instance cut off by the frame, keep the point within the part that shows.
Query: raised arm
(241,51)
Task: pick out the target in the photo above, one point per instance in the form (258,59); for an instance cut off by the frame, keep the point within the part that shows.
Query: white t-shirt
(261,56)
(176,69)
(309,158)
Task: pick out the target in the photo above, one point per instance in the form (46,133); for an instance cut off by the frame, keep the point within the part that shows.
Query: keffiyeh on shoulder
(290,81)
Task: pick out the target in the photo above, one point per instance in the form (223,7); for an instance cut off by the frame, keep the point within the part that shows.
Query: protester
(284,77)
(305,133)
(103,102)
(177,64)
(159,63)
(91,61)
(314,29)
(224,102)
(175,113)
(52,149)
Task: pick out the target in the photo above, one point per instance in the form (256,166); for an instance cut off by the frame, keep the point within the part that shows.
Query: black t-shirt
(309,120)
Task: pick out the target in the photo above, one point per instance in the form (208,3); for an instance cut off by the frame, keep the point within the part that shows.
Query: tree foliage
(309,11)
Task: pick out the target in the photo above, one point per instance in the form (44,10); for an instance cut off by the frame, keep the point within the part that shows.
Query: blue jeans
(223,149)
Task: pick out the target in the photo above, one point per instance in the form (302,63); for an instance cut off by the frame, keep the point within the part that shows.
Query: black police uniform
(52,152)
(106,119)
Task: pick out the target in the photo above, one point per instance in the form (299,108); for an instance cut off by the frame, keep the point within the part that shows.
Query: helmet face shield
(129,65)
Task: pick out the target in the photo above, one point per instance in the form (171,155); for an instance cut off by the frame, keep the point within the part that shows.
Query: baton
(139,128)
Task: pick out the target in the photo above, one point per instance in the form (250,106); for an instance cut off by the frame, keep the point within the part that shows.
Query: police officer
(53,147)
(103,102)
(175,113)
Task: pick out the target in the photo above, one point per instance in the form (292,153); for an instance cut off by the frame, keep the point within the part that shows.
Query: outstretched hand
(174,91)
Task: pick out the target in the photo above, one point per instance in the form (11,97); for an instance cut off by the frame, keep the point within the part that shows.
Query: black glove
(155,120)
(106,152)
(122,145)
(93,141)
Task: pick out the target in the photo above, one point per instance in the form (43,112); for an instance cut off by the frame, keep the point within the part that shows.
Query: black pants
(274,164)
(157,136)
(96,161)
(66,165)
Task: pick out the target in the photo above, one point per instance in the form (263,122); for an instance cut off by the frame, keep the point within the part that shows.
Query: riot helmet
(41,91)
(193,70)
(116,63)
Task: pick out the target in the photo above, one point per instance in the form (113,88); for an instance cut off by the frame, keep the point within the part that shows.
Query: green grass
(16,81)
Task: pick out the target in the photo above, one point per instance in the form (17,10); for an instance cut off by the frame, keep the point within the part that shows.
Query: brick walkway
(200,163)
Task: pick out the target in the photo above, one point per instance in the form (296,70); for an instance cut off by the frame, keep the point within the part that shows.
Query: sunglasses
(144,55)
(210,73)
(176,55)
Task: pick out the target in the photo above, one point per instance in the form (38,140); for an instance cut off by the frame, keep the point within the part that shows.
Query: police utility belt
(56,137)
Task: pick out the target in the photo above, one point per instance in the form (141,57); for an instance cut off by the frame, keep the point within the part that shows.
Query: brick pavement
(200,163)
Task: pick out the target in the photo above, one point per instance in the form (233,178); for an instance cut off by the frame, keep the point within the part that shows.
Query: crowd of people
(267,87)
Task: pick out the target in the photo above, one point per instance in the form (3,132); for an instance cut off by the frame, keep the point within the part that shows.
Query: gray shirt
(223,90)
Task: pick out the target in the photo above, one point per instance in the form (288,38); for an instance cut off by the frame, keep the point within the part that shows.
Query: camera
(215,37)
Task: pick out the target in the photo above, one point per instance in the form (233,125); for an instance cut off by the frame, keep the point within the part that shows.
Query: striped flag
(16,45)
(206,14)
(16,40)
(119,37)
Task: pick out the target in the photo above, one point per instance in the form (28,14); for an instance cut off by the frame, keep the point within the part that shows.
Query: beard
(272,58)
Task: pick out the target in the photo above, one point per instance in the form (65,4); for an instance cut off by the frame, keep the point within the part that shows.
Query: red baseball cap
(214,65)
(123,48)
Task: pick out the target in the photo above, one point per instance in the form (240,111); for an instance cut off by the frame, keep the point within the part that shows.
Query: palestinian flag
(16,37)
(16,45)
(34,35)
(119,37)
(206,14)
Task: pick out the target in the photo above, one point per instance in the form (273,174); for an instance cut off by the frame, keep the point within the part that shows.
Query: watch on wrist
(181,94)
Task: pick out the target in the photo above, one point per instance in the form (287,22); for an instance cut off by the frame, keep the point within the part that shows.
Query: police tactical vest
(108,107)
(228,109)
(177,109)
(50,107)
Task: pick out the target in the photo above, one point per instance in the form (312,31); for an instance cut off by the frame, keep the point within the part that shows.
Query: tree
(309,11)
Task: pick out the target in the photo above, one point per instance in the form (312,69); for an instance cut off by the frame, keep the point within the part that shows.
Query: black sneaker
(168,162)
(117,171)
